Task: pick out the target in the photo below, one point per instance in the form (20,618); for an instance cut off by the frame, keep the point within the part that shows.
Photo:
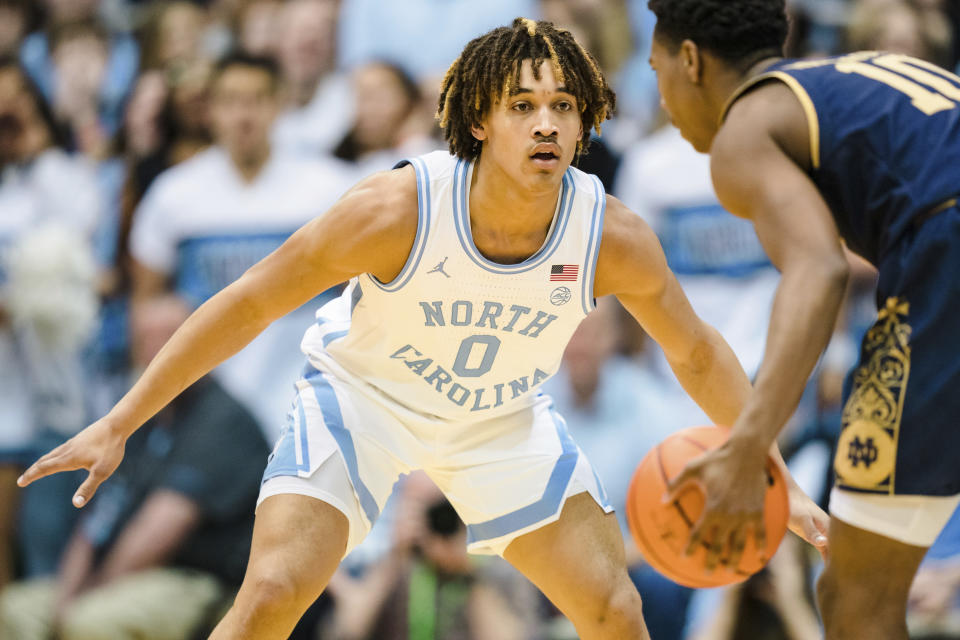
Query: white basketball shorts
(347,444)
(911,519)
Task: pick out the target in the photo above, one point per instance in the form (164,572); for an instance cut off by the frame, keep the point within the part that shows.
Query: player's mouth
(545,156)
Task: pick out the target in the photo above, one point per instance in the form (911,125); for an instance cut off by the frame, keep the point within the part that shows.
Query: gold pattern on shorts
(867,450)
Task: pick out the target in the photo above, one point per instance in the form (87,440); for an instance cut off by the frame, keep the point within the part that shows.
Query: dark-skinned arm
(632,266)
(758,166)
(756,177)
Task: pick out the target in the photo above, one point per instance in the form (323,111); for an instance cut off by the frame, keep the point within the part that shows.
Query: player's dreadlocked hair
(737,31)
(489,68)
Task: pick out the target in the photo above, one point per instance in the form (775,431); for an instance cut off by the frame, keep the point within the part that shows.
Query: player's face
(532,132)
(242,110)
(681,97)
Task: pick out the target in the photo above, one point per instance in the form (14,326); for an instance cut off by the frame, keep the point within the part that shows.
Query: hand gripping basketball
(725,546)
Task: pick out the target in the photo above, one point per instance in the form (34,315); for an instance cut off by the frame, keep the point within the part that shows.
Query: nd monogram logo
(866,457)
(865,452)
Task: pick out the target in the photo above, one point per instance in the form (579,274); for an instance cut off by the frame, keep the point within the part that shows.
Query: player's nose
(545,124)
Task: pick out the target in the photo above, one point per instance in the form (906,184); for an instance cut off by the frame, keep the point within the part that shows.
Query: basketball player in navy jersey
(861,149)
(467,275)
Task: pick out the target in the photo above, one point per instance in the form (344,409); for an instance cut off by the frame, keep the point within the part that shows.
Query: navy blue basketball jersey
(884,139)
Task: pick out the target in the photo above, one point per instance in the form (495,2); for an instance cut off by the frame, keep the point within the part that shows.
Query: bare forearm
(722,388)
(713,377)
(214,332)
(804,313)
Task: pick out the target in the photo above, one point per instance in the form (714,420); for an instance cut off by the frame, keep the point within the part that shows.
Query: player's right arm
(632,266)
(369,230)
(759,163)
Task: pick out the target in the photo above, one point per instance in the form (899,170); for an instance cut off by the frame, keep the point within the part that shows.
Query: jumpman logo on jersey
(439,267)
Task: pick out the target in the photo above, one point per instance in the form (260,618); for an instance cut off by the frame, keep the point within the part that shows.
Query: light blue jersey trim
(461,218)
(604,500)
(333,418)
(355,296)
(334,335)
(593,245)
(423,227)
(543,508)
(284,461)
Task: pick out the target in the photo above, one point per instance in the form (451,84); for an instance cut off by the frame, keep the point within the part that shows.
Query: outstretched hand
(98,449)
(735,487)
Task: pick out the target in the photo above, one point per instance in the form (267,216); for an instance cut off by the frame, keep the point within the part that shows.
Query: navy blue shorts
(901,417)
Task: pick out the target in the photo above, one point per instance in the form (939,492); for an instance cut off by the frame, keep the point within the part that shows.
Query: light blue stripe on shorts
(543,508)
(283,461)
(333,418)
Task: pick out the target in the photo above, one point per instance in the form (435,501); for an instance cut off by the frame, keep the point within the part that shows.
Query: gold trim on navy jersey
(813,122)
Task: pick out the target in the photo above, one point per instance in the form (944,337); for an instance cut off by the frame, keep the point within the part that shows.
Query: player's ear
(691,61)
(478,132)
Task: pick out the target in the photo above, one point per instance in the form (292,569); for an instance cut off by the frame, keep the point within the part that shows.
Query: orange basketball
(662,530)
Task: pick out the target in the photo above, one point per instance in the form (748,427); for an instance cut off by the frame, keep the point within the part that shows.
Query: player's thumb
(88,488)
(815,534)
(678,483)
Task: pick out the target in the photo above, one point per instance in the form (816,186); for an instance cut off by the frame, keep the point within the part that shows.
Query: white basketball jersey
(454,335)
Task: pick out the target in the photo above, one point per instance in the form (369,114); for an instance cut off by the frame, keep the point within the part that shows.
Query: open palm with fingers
(98,449)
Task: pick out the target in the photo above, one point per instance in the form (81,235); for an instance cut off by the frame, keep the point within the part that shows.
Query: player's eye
(521,107)
(564,105)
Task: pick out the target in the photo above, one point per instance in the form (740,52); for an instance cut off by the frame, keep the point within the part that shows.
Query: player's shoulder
(629,250)
(434,166)
(384,202)
(373,226)
(770,112)
(623,229)
(625,235)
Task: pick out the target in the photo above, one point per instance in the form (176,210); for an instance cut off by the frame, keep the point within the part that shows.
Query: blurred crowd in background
(150,152)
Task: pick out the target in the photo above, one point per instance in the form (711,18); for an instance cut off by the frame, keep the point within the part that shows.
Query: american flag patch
(564,272)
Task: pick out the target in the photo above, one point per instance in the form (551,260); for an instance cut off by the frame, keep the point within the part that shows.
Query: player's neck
(736,78)
(498,201)
(727,83)
(509,220)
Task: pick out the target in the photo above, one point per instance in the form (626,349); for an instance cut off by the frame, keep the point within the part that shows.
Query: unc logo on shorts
(560,295)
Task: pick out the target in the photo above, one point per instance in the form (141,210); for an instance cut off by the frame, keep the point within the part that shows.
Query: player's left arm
(631,265)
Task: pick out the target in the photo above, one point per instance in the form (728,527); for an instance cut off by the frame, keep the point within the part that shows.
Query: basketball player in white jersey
(468,274)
